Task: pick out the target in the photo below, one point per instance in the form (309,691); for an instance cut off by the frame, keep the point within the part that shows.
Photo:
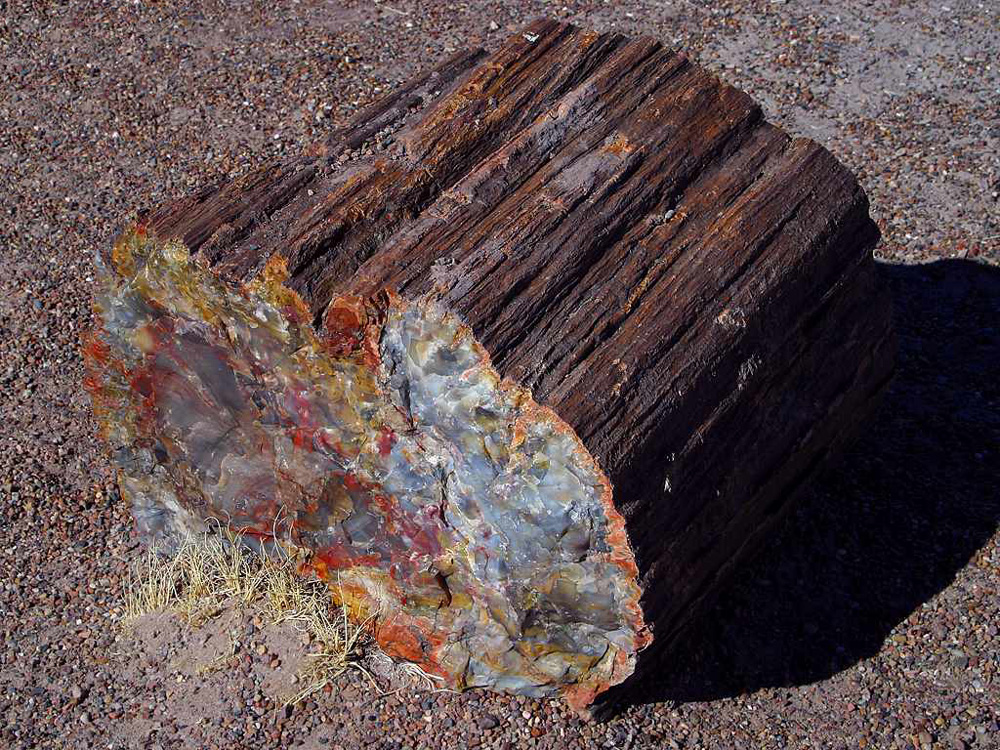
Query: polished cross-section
(439,499)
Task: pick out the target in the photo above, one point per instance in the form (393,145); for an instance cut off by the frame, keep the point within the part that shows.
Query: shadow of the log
(885,529)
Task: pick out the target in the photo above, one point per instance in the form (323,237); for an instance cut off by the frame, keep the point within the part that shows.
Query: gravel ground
(872,621)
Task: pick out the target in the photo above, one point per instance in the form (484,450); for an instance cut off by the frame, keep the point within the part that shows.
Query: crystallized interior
(468,520)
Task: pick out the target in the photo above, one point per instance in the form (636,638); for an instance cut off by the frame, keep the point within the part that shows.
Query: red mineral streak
(344,325)
(387,439)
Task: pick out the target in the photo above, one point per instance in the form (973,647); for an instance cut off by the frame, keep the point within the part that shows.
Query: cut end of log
(469,523)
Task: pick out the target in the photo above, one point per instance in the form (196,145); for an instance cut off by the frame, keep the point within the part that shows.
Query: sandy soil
(873,619)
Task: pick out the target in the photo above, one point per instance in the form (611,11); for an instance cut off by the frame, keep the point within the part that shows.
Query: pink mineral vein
(468,522)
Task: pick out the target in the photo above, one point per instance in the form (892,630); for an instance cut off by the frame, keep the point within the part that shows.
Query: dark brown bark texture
(691,289)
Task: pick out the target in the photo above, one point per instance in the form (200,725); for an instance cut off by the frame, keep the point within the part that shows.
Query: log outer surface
(688,287)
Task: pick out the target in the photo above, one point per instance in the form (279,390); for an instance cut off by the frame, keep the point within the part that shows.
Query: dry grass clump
(208,573)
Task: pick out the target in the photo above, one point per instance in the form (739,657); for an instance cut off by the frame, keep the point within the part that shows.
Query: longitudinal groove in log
(688,287)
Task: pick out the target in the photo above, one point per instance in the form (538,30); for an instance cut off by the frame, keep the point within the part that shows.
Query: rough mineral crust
(468,522)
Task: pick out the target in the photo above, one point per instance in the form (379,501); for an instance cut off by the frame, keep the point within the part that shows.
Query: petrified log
(549,307)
